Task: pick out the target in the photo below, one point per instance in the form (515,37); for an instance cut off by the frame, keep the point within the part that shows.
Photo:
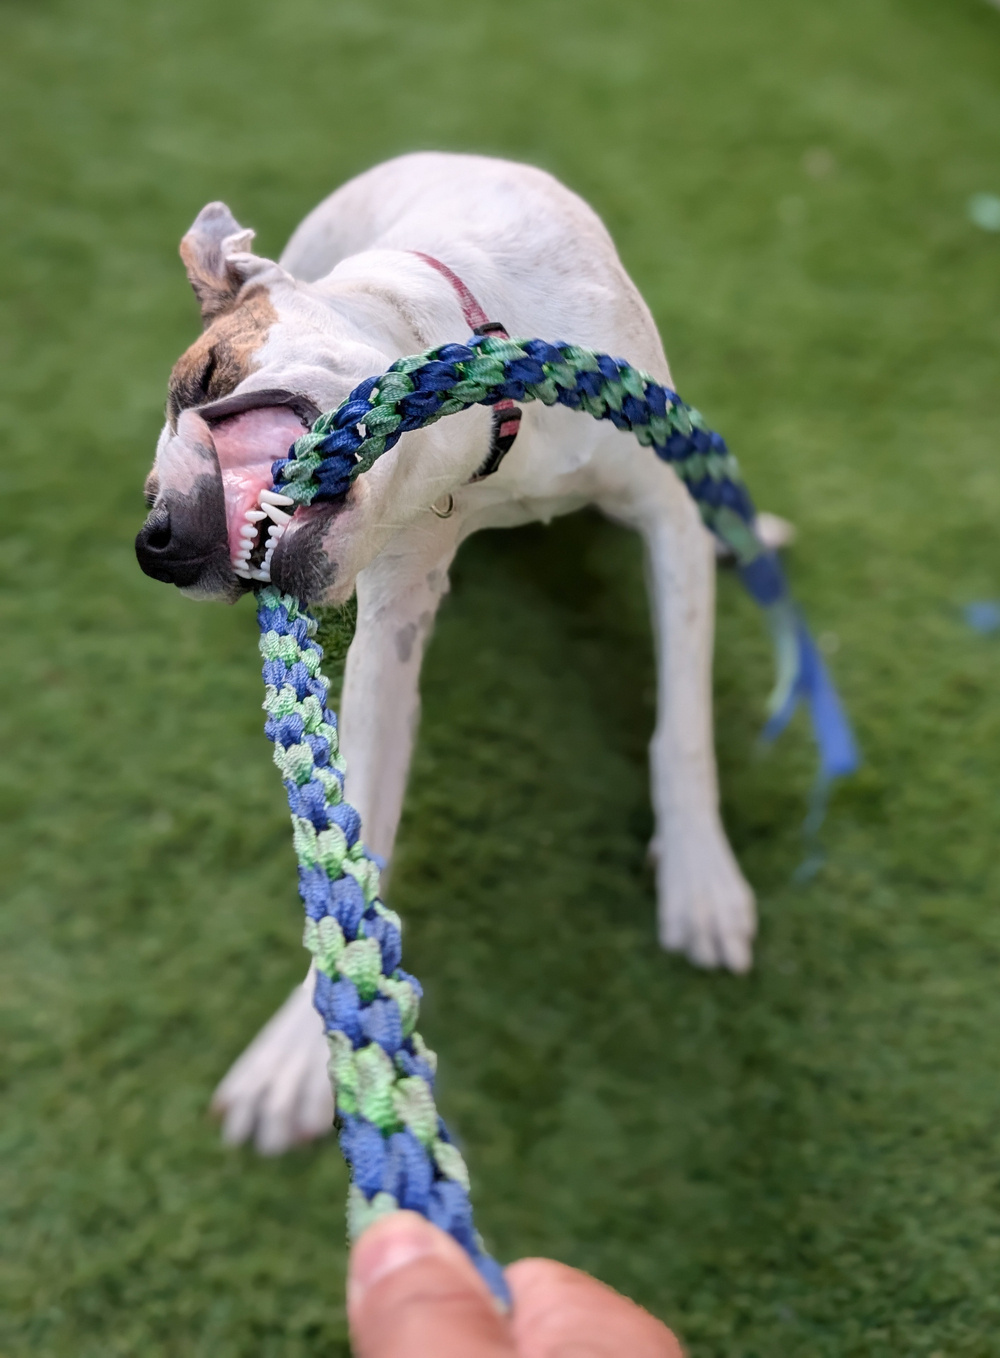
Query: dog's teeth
(249,535)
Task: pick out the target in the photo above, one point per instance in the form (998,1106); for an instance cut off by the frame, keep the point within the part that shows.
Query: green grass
(805,1162)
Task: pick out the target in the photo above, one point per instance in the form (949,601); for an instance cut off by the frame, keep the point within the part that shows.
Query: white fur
(278,1092)
(350,300)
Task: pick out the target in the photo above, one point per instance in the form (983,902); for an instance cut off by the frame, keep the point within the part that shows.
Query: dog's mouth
(247,442)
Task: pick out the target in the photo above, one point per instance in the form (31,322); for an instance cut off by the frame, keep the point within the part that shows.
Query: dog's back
(533,252)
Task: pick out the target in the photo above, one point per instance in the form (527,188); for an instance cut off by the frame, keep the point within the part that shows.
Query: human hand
(412,1292)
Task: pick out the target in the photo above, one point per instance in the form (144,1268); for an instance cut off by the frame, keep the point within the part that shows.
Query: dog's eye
(190,385)
(207,373)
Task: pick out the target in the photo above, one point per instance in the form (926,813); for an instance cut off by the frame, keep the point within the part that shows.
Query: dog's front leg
(706,908)
(398,598)
(278,1092)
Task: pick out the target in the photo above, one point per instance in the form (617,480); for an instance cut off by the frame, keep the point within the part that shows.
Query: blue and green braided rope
(421,389)
(397,1147)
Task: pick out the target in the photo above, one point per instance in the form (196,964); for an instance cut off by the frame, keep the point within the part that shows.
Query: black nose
(182,540)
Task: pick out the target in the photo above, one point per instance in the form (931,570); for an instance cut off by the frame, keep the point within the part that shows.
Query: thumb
(559,1311)
(412,1292)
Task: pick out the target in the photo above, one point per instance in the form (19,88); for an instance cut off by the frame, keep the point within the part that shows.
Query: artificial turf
(805,1161)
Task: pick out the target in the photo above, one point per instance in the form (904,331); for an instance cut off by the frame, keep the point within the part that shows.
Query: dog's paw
(278,1093)
(706,908)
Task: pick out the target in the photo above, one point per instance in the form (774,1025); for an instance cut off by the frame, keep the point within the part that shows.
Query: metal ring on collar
(449,509)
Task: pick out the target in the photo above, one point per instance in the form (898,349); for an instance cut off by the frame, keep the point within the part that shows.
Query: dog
(401,258)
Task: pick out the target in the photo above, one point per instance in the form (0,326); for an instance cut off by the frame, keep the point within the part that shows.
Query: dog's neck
(394,300)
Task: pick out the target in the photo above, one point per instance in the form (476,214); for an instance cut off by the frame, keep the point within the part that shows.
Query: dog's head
(266,364)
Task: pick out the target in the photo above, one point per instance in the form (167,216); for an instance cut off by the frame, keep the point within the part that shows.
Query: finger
(559,1312)
(413,1293)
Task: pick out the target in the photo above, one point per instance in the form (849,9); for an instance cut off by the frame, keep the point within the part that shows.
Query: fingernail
(389,1245)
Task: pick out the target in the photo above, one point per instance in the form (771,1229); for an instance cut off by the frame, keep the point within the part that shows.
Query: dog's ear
(207,251)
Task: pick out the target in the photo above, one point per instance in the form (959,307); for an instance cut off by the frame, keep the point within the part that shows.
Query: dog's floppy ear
(206,250)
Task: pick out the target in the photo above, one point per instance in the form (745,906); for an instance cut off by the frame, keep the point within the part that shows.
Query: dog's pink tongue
(246,445)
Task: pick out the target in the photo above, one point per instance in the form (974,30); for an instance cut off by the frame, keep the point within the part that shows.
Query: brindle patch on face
(222,357)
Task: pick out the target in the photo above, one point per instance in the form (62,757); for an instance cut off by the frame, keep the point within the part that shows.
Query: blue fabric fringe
(802,677)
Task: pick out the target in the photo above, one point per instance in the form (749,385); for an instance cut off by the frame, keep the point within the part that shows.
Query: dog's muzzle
(183,541)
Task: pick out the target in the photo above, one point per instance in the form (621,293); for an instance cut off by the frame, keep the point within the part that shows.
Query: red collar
(506,415)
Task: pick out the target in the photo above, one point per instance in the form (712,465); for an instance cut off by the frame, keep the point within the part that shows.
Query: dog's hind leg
(706,909)
(278,1093)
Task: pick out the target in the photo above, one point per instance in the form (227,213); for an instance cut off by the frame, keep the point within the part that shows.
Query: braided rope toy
(396,1145)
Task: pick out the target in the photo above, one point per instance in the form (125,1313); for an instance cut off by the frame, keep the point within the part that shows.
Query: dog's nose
(171,545)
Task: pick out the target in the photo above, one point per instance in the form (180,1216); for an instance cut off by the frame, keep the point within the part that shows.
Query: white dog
(402,258)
